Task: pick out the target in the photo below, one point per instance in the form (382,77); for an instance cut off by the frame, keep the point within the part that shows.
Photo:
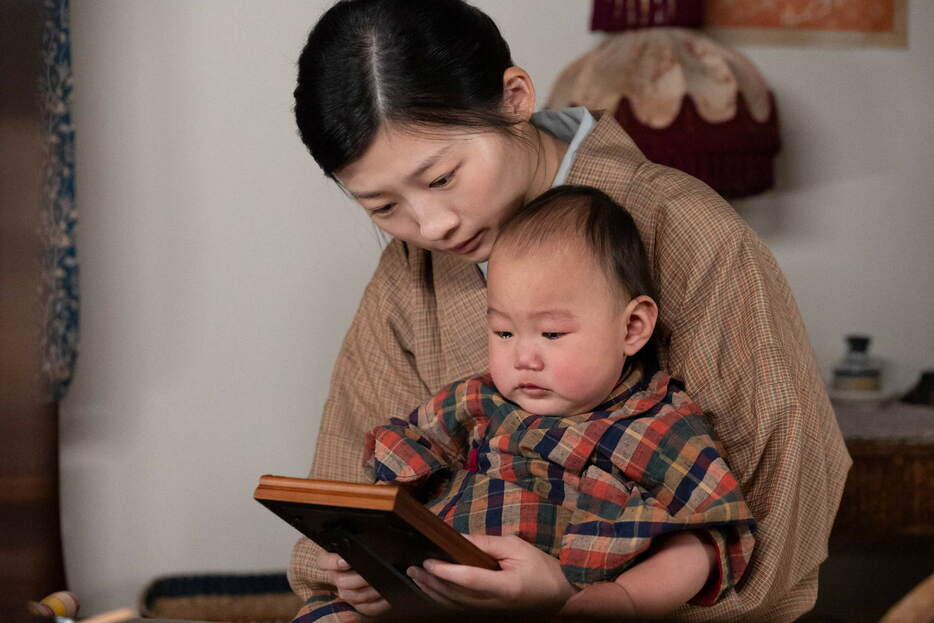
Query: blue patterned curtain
(58,217)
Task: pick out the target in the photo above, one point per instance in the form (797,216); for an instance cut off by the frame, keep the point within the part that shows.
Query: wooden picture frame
(380,530)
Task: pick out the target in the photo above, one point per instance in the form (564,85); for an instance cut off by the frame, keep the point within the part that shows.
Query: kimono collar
(632,379)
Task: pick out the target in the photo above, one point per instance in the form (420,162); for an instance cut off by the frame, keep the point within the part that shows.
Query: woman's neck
(546,160)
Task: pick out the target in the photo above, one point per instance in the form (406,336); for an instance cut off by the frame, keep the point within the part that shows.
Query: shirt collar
(571,125)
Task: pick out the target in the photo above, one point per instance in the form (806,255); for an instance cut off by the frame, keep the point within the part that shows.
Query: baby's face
(557,329)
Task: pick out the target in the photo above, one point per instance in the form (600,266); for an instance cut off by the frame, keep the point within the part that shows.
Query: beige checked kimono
(737,341)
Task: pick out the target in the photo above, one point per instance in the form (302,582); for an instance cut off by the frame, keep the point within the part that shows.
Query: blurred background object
(30,539)
(923,391)
(687,101)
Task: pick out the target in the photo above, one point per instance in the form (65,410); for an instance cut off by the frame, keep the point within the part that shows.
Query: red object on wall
(618,15)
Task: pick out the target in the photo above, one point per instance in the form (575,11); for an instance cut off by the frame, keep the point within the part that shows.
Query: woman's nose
(435,222)
(528,358)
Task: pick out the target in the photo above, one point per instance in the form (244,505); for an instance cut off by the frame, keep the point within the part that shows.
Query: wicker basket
(251,598)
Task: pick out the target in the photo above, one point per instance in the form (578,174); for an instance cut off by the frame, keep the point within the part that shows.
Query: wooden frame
(381,530)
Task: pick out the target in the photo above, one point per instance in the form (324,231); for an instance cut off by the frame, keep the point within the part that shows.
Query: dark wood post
(30,538)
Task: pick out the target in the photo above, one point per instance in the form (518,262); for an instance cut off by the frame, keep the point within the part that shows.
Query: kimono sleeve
(655,475)
(739,343)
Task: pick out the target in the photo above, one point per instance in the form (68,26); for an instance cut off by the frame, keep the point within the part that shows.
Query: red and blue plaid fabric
(323,606)
(592,489)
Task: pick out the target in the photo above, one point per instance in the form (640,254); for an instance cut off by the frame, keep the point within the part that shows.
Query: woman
(415,109)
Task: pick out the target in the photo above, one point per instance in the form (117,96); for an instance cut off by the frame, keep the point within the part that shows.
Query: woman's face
(443,190)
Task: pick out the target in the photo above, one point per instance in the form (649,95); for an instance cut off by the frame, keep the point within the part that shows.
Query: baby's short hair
(588,215)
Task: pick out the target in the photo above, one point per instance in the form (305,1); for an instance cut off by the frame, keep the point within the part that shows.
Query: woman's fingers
(349,580)
(499,547)
(448,593)
(480,581)
(528,579)
(353,596)
(351,586)
(355,590)
(329,561)
(432,588)
(373,609)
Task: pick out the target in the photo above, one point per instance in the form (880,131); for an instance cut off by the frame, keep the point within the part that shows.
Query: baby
(574,441)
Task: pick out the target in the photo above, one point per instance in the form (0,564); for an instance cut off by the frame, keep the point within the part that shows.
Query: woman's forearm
(668,578)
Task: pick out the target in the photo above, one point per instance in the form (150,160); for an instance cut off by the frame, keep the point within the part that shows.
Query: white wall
(219,269)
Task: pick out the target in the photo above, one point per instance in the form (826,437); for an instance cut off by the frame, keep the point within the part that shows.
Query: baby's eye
(383,211)
(503,335)
(552,335)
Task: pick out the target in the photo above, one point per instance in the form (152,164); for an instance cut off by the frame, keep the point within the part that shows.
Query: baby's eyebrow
(555,314)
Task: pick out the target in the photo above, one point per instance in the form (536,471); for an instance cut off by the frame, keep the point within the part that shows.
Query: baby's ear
(640,316)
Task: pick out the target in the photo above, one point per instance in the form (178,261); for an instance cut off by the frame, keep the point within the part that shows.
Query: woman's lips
(468,246)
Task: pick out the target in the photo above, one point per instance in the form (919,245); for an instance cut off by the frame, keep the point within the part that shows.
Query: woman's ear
(518,93)
(640,316)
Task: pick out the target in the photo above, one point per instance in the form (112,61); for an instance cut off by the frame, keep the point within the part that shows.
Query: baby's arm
(676,572)
(433,438)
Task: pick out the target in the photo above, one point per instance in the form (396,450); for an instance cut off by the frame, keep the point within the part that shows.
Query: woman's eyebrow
(429,162)
(426,164)
(372,195)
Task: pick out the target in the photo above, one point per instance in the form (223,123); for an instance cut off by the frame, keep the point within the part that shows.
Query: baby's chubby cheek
(502,376)
(581,384)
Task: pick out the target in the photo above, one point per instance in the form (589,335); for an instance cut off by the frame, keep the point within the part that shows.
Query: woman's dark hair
(607,229)
(419,62)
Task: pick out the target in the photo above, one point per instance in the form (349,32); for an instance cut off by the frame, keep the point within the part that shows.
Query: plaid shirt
(592,489)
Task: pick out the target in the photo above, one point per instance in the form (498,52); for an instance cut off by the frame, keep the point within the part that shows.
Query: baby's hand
(528,579)
(351,587)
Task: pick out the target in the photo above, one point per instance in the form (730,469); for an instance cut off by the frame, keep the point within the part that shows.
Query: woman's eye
(551,335)
(503,335)
(383,211)
(442,181)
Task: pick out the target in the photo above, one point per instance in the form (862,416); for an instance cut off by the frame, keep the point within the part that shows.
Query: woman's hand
(528,579)
(351,587)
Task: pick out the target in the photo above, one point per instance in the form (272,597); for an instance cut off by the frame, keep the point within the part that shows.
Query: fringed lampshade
(687,101)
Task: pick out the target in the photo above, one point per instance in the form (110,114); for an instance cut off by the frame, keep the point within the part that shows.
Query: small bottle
(857,371)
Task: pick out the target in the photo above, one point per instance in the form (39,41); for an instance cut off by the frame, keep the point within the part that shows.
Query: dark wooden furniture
(890,488)
(30,543)
(882,544)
